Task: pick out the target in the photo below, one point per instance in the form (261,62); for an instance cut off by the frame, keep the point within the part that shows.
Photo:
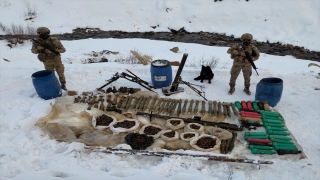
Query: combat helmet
(246,36)
(43,30)
(246,39)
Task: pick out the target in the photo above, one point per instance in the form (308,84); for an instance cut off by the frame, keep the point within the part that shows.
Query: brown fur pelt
(178,144)
(220,133)
(60,132)
(157,144)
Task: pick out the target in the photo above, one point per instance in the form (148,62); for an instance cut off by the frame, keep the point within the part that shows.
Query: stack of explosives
(249,114)
(278,133)
(252,105)
(259,143)
(227,145)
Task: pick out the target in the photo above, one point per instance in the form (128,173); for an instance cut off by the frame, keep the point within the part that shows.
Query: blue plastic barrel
(270,90)
(161,73)
(46,84)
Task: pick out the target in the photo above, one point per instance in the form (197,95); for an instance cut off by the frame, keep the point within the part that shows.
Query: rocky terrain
(205,38)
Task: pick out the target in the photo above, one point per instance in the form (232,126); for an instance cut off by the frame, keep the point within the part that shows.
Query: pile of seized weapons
(205,112)
(165,108)
(131,77)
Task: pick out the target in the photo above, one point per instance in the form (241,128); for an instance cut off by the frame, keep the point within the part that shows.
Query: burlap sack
(154,133)
(171,124)
(190,127)
(195,143)
(166,138)
(222,134)
(117,130)
(102,127)
(188,136)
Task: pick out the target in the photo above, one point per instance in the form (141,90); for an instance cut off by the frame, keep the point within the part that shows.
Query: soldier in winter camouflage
(241,63)
(51,60)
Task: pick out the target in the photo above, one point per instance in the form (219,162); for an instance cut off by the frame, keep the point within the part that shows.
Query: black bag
(139,141)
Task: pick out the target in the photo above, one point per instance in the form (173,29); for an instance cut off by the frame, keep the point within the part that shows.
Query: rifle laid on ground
(46,46)
(197,119)
(248,57)
(132,78)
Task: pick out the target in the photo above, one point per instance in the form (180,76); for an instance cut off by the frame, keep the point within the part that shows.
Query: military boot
(63,86)
(232,89)
(247,90)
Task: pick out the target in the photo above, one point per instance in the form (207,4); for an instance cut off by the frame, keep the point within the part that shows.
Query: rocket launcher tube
(284,147)
(255,137)
(249,105)
(272,121)
(244,105)
(256,120)
(238,105)
(260,141)
(255,133)
(281,141)
(250,112)
(260,147)
(259,151)
(283,144)
(271,117)
(279,137)
(271,132)
(247,114)
(270,113)
(276,128)
(273,124)
(255,106)
(250,116)
(282,152)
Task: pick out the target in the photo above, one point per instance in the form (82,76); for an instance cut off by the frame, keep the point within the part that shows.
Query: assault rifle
(46,46)
(195,119)
(249,124)
(132,78)
(248,57)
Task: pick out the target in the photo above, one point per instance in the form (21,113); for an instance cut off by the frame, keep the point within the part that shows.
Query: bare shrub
(192,63)
(211,62)
(30,30)
(18,34)
(130,59)
(3,27)
(30,13)
(17,29)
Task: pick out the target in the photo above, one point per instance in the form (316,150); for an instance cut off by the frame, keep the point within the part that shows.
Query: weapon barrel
(176,79)
(46,46)
(251,61)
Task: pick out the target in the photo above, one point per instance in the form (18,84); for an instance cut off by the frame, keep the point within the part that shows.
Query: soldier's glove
(47,51)
(235,52)
(39,48)
(242,54)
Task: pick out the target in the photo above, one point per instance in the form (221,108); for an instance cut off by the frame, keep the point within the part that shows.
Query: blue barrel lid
(41,74)
(271,80)
(160,63)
